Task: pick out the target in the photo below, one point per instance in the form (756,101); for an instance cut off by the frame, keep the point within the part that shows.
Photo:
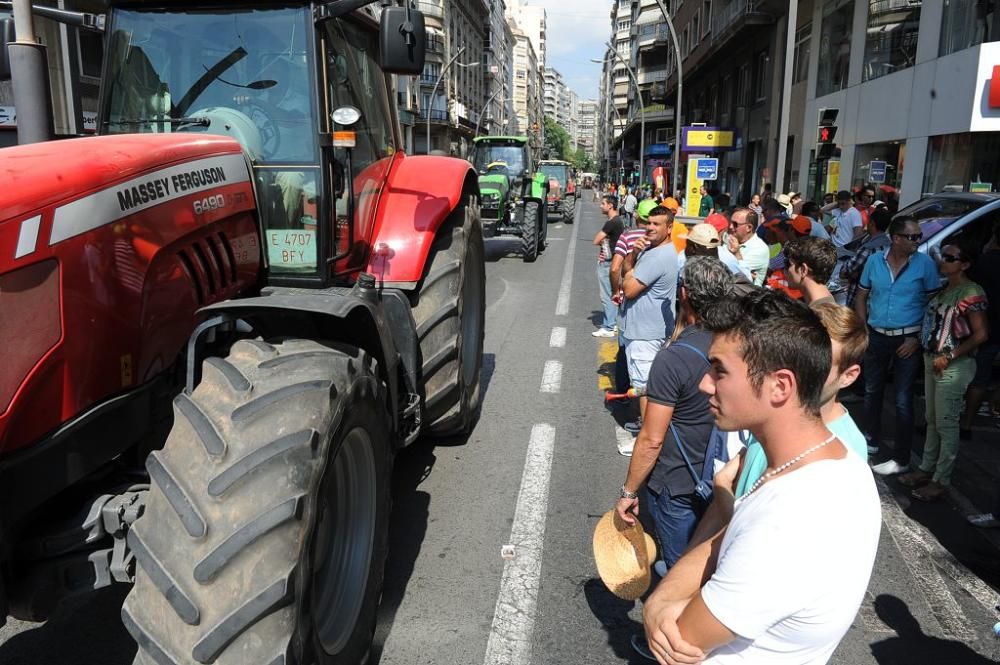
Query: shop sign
(694,183)
(713,139)
(994,98)
(708,169)
(8,116)
(876,172)
(980,187)
(833,175)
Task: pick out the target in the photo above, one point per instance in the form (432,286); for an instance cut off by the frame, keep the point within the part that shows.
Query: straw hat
(624,555)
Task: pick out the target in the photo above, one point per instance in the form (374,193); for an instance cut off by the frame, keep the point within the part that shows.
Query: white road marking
(27,238)
(557,339)
(927,559)
(562,305)
(506,290)
(559,226)
(514,617)
(552,376)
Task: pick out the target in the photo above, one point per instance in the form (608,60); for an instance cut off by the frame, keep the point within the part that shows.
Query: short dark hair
(881,218)
(722,202)
(612,200)
(660,211)
(776,332)
(752,218)
(899,223)
(773,205)
(860,193)
(843,195)
(810,209)
(817,254)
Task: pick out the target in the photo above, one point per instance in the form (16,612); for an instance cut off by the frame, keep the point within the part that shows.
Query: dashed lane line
(514,617)
(557,339)
(565,287)
(552,376)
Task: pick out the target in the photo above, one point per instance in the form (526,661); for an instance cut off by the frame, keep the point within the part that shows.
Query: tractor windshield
(555,172)
(511,155)
(246,73)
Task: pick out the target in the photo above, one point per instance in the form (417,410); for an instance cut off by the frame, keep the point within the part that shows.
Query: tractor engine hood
(494,184)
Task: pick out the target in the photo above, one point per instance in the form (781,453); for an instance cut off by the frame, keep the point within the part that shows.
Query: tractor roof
(553,162)
(501,139)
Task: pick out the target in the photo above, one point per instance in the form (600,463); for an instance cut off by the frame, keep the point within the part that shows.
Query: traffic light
(826,133)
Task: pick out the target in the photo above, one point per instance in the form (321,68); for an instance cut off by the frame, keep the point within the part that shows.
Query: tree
(582,161)
(557,141)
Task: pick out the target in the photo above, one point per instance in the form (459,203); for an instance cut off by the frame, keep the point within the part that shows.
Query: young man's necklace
(772,474)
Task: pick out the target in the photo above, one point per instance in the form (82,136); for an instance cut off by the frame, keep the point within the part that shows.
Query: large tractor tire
(449,310)
(569,209)
(265,533)
(530,231)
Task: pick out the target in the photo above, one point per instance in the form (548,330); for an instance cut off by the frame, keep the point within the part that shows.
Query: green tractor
(513,194)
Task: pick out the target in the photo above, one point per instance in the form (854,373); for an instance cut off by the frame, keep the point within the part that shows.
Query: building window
(891,38)
(954,161)
(834,47)
(893,153)
(800,66)
(760,77)
(966,23)
(706,18)
(695,29)
(743,87)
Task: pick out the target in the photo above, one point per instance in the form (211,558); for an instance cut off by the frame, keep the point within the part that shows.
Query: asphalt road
(536,474)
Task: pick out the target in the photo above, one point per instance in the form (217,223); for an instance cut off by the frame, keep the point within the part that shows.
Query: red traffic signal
(826,135)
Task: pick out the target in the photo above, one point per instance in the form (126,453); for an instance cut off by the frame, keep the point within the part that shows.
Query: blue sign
(876,172)
(708,169)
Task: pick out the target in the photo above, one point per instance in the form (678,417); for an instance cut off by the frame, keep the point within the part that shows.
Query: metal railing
(728,14)
(436,115)
(431,8)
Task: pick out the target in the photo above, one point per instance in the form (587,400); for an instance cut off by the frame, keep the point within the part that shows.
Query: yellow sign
(694,184)
(833,176)
(700,139)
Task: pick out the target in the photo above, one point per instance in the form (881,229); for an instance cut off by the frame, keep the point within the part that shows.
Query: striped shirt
(626,241)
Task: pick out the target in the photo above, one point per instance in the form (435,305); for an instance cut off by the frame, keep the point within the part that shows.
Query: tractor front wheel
(531,224)
(265,533)
(569,209)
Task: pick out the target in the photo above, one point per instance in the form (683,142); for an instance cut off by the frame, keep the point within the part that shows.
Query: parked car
(944,218)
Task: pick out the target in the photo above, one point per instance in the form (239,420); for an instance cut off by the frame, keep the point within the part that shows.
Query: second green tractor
(513,193)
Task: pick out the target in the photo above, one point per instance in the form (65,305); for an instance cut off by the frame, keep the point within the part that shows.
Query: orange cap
(670,203)
(802,224)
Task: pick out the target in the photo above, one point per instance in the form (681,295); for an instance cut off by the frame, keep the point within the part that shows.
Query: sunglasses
(912,237)
(950,258)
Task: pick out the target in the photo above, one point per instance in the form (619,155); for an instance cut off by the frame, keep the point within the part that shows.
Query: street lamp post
(434,90)
(642,114)
(486,106)
(680,89)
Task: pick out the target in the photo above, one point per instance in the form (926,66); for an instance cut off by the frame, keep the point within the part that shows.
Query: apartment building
(586,129)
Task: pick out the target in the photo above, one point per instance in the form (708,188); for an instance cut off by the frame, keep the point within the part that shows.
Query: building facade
(586,134)
(527,118)
(916,93)
(499,54)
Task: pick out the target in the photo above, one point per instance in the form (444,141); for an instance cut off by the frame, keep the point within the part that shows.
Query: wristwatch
(625,494)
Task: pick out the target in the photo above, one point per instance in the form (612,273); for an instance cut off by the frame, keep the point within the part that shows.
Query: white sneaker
(604,332)
(890,468)
(626,450)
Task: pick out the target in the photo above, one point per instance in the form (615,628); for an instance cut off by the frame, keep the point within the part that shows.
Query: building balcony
(651,76)
(732,17)
(437,116)
(431,8)
(435,44)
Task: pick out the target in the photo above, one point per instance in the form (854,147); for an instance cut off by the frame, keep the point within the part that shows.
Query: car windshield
(511,154)
(940,207)
(250,67)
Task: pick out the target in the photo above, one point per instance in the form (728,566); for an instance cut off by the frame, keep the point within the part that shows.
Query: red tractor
(223,317)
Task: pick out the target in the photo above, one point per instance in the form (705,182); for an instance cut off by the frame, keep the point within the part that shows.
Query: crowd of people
(738,352)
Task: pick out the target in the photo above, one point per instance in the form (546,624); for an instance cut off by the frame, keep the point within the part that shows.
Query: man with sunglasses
(744,246)
(893,293)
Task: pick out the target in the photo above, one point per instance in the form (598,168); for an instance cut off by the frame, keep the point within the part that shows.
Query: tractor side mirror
(6,37)
(403,41)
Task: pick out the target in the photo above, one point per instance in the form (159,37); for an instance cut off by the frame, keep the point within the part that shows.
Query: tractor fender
(380,324)
(420,195)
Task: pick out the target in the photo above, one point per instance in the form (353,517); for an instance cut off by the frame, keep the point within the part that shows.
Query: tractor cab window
(487,156)
(554,172)
(354,79)
(243,73)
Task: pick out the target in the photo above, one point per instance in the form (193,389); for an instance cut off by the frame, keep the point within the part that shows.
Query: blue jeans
(880,354)
(675,518)
(604,281)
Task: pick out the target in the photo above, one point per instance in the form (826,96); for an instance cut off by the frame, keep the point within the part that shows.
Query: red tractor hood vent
(43,174)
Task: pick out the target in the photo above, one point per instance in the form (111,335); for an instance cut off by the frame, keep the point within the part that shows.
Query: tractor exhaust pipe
(29,70)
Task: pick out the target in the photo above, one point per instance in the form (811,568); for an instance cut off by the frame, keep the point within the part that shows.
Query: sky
(576,31)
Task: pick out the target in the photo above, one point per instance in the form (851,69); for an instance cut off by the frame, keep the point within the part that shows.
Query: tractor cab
(301,87)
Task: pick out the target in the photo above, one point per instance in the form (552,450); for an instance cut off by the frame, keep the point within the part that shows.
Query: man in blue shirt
(893,292)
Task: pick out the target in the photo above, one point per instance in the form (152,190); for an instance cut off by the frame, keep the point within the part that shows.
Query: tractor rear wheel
(265,533)
(569,209)
(530,225)
(450,313)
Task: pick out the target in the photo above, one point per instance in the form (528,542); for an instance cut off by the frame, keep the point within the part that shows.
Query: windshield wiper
(201,122)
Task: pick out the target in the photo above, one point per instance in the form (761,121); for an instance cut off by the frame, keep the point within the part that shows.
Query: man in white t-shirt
(847,221)
(783,581)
